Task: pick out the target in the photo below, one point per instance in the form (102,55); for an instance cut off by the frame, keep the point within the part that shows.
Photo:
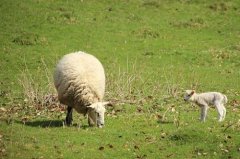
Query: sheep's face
(96,114)
(188,95)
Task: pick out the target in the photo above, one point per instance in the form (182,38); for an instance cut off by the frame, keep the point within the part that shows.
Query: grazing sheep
(80,82)
(210,98)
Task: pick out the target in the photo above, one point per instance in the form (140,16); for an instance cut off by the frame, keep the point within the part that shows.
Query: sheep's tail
(225,100)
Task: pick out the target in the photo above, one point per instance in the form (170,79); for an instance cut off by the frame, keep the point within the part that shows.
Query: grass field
(152,50)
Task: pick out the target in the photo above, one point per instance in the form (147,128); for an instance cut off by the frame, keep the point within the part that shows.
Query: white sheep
(80,82)
(203,100)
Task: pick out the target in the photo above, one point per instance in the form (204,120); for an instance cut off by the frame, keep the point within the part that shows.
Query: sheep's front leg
(91,118)
(204,109)
(69,116)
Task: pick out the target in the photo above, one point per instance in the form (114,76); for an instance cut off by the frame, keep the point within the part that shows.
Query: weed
(124,84)
(63,16)
(219,7)
(40,98)
(27,38)
(191,23)
(34,92)
(236,47)
(3,152)
(155,4)
(146,33)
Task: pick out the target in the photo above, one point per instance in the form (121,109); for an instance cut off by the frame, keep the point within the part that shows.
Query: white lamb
(80,82)
(203,100)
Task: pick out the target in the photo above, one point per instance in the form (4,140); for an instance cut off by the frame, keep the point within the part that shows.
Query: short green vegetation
(152,51)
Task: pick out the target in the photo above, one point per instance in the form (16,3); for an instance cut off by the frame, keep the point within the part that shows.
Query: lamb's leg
(221,111)
(203,113)
(69,116)
(224,112)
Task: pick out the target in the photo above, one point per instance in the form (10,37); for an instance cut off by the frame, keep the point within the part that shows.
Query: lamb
(210,98)
(79,79)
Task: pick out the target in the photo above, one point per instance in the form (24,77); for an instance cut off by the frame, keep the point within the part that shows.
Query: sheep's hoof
(68,124)
(100,126)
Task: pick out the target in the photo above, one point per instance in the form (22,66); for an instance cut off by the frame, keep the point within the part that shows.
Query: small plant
(130,85)
(146,33)
(123,84)
(191,23)
(27,38)
(219,7)
(155,4)
(63,16)
(38,89)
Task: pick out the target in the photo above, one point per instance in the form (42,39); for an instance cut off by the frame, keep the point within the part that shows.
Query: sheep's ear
(107,103)
(193,91)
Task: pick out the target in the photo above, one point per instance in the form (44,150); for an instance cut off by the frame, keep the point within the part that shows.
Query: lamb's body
(209,98)
(205,99)
(80,81)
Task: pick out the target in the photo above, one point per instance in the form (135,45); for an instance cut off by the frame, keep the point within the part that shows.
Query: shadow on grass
(45,123)
(164,122)
(49,124)
(42,123)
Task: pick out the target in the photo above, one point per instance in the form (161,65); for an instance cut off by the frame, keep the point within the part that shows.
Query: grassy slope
(175,43)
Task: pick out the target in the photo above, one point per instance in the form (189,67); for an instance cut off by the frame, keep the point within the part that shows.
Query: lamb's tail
(225,100)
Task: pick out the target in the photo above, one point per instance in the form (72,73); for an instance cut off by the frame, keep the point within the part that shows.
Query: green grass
(151,51)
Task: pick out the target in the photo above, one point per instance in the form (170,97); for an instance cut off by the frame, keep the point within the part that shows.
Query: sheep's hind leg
(69,119)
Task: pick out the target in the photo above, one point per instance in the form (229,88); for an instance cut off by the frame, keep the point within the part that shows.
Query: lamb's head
(96,114)
(189,95)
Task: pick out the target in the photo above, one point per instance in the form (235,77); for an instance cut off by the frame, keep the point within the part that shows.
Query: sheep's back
(76,72)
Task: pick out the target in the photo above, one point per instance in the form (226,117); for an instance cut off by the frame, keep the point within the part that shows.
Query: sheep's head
(96,114)
(188,95)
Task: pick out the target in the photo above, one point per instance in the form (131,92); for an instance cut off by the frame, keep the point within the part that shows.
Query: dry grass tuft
(38,88)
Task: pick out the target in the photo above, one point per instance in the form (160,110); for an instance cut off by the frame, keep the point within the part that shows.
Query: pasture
(152,51)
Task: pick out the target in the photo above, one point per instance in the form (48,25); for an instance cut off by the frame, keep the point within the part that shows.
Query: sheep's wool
(80,80)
